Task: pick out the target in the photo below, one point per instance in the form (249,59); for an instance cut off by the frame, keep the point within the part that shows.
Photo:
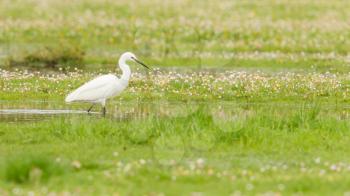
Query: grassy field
(268,34)
(186,86)
(245,98)
(201,150)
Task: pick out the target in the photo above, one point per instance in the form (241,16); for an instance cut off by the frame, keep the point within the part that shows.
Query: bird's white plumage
(98,89)
(104,87)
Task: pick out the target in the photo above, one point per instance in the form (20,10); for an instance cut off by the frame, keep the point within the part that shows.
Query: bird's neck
(126,71)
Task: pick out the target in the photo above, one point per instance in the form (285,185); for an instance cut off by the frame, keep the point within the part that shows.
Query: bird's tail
(69,98)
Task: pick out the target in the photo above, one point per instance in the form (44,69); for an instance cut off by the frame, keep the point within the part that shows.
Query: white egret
(106,86)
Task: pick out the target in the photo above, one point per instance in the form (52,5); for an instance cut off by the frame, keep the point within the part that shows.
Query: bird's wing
(93,90)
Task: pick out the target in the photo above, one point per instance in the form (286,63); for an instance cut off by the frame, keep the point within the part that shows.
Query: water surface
(32,111)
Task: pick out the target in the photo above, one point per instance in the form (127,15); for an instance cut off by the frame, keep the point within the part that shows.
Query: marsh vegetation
(245,98)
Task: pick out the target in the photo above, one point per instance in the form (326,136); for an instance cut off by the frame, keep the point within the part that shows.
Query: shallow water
(32,111)
(22,115)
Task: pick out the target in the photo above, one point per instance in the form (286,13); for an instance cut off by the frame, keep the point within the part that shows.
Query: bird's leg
(90,108)
(104,111)
(103,103)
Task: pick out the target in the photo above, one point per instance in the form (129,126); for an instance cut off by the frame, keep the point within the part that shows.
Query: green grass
(54,58)
(262,149)
(179,85)
(204,34)
(246,97)
(30,168)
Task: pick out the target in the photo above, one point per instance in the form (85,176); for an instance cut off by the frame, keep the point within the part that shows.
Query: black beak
(139,62)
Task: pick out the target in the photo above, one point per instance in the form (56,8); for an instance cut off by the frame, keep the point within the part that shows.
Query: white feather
(107,86)
(98,89)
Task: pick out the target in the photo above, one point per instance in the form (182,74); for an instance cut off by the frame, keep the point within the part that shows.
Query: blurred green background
(268,35)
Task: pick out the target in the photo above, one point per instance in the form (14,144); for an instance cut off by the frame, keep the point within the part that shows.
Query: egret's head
(128,56)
